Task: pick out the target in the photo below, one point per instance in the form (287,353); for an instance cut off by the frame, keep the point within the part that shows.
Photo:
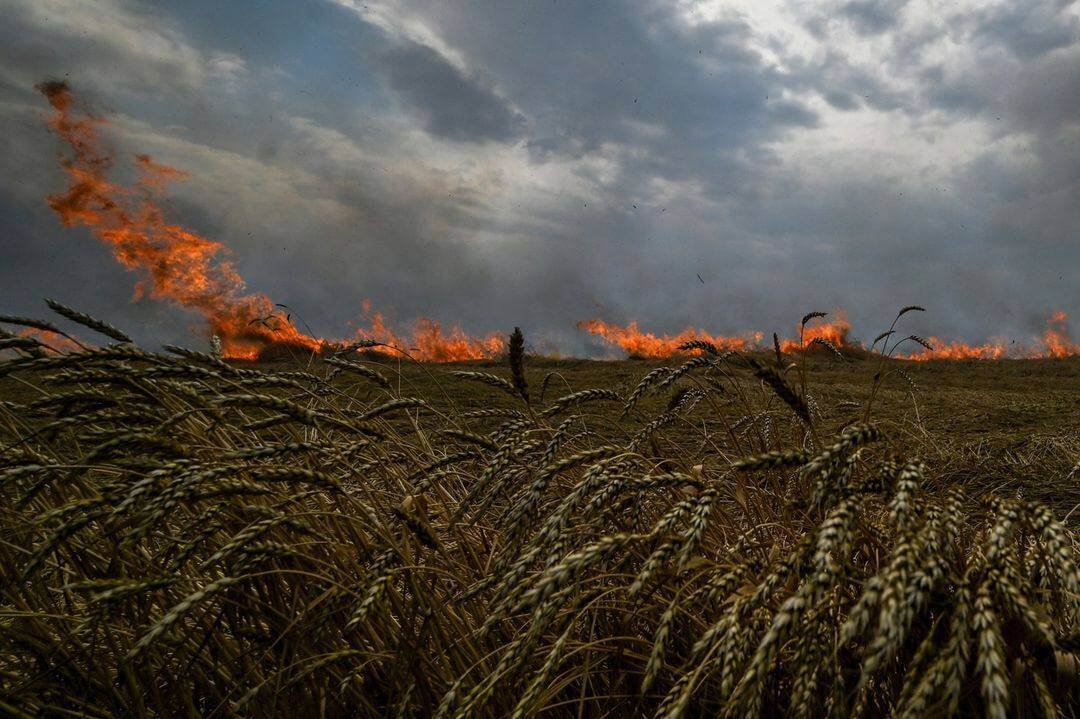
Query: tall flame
(182,267)
(187,269)
(1056,338)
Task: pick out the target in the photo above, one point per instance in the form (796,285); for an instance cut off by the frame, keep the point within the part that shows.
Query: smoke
(182,267)
(179,266)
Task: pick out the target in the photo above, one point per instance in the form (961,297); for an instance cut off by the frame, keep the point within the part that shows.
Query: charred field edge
(358,534)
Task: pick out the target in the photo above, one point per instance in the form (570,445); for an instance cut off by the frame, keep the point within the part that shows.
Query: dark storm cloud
(450,104)
(1031,93)
(1029,30)
(872,17)
(587,74)
(299,228)
(841,100)
(659,101)
(499,163)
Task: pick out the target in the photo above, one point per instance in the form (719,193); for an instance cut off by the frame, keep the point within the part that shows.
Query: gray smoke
(496,164)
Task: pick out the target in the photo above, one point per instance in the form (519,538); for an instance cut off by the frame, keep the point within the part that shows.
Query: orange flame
(428,340)
(1055,343)
(52,341)
(835,333)
(645,344)
(957,351)
(187,269)
(1056,338)
(192,271)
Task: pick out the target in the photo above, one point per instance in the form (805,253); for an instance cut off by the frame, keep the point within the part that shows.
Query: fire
(1055,343)
(645,344)
(52,341)
(835,333)
(1056,338)
(954,350)
(179,266)
(428,340)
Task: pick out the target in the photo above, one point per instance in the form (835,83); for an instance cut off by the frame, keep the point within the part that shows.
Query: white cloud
(124,47)
(228,69)
(397,20)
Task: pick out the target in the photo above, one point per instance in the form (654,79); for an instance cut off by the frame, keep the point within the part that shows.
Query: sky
(724,165)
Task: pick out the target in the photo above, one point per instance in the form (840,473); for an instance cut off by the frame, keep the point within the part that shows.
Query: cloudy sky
(537,163)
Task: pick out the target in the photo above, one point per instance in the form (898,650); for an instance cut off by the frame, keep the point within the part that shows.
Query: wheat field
(358,534)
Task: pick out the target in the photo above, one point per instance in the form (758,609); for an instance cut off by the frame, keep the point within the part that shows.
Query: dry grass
(364,536)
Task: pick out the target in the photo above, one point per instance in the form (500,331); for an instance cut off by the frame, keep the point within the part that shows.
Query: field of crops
(766,534)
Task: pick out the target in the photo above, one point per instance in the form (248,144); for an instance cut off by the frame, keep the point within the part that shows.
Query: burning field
(422,522)
(177,265)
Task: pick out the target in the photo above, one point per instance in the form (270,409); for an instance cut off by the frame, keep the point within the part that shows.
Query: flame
(835,333)
(645,344)
(954,350)
(177,265)
(52,341)
(428,340)
(182,267)
(1054,344)
(1056,338)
